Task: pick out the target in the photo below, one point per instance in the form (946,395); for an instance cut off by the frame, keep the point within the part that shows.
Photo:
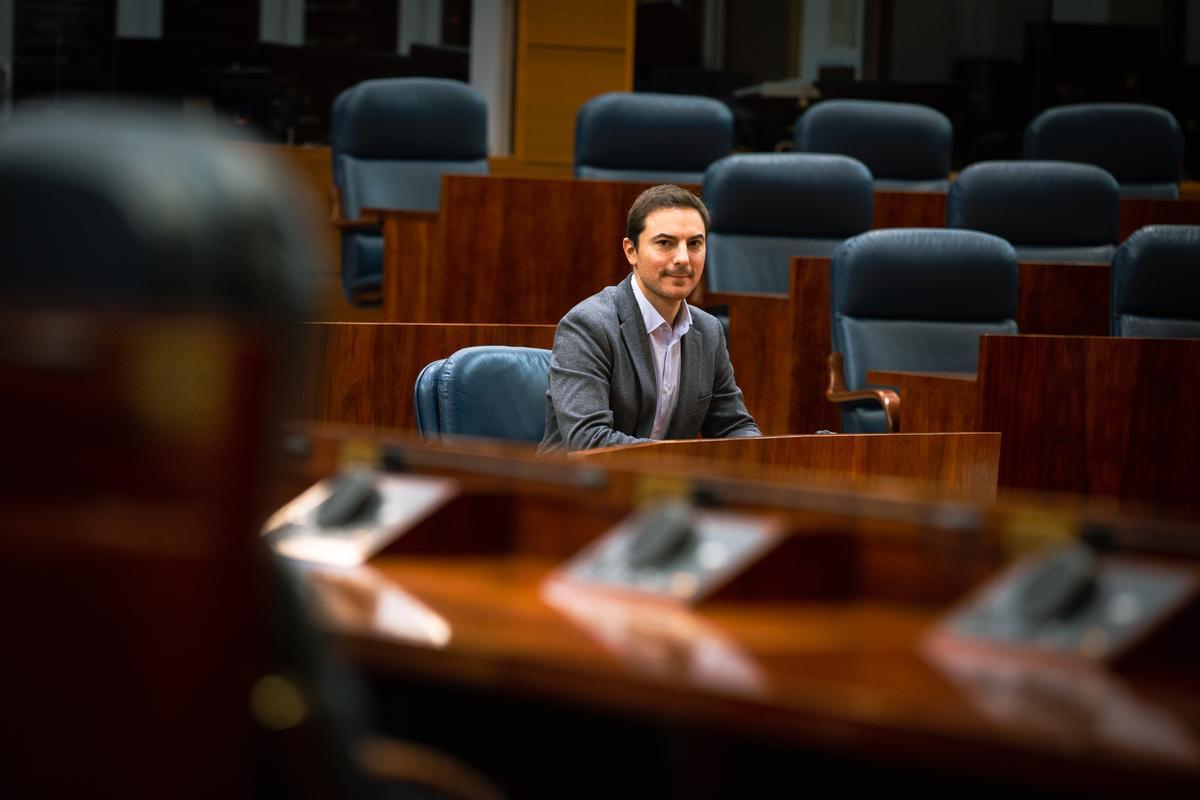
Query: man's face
(669,257)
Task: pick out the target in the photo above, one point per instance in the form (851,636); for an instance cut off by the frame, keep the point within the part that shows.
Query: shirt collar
(654,320)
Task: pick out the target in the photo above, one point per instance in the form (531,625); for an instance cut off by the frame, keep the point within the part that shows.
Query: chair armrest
(396,761)
(838,393)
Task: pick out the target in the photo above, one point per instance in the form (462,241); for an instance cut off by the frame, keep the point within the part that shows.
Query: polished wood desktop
(955,465)
(779,345)
(841,670)
(1096,416)
(364,373)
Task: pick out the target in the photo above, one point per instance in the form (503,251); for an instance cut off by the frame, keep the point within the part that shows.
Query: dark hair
(665,195)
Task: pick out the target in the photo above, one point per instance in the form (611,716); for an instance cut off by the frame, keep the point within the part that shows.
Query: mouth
(687,274)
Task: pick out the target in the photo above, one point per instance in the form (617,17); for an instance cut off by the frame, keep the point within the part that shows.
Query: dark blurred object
(150,303)
(283,92)
(1074,63)
(441,60)
(998,104)
(151,287)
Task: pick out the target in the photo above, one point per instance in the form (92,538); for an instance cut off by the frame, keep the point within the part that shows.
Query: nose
(681,253)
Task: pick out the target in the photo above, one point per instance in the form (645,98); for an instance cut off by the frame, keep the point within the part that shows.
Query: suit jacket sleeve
(581,371)
(727,415)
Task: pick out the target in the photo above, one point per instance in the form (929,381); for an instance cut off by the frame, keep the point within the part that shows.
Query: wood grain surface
(506,250)
(1109,417)
(364,373)
(962,465)
(933,401)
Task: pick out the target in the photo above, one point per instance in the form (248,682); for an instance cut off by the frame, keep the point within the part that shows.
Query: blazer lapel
(637,342)
(691,346)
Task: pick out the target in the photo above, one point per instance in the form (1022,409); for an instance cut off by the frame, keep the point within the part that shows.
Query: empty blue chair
(768,207)
(906,146)
(1139,145)
(642,136)
(393,139)
(491,391)
(1047,210)
(913,299)
(1155,283)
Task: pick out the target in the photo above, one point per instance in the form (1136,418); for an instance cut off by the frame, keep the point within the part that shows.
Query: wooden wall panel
(1104,416)
(566,53)
(363,373)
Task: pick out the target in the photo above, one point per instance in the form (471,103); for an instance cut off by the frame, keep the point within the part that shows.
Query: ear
(630,251)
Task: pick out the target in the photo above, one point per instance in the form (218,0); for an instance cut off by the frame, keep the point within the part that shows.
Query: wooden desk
(933,401)
(1097,416)
(364,373)
(957,465)
(786,391)
(549,683)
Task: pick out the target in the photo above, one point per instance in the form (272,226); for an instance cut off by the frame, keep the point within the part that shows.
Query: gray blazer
(603,390)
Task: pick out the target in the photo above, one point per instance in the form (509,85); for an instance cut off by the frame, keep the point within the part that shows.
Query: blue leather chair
(906,146)
(913,299)
(1048,210)
(1140,145)
(769,207)
(642,136)
(393,139)
(491,391)
(1155,283)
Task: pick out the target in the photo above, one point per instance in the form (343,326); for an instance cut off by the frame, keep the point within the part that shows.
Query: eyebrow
(669,236)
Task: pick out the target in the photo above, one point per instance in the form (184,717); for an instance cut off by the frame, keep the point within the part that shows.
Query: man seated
(636,362)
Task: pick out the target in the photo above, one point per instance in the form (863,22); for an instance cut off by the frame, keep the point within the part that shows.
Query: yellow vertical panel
(561,81)
(579,23)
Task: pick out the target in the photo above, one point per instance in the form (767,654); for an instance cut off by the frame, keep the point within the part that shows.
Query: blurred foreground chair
(905,146)
(658,138)
(491,391)
(149,340)
(1155,283)
(767,208)
(1047,210)
(913,299)
(392,140)
(1139,145)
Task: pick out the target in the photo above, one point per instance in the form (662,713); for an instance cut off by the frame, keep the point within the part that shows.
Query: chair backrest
(906,146)
(643,136)
(1048,210)
(1155,283)
(1139,145)
(917,299)
(490,391)
(768,207)
(392,140)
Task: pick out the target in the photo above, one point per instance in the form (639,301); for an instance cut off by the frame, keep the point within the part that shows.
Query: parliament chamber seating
(648,137)
(1156,283)
(913,299)
(904,145)
(767,208)
(484,392)
(392,140)
(1139,145)
(1047,210)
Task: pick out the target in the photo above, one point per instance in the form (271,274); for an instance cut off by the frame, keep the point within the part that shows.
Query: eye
(696,244)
